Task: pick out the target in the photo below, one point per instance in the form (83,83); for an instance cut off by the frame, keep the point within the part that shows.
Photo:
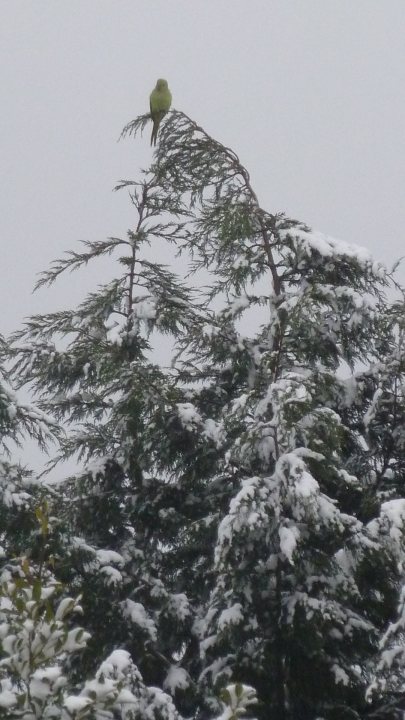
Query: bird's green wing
(166,100)
(154,102)
(160,101)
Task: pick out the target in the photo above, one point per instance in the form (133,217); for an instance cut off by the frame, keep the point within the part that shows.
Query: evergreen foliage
(37,643)
(20,491)
(236,519)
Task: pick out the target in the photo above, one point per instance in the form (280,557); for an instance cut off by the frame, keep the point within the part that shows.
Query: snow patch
(230,616)
(288,541)
(176,678)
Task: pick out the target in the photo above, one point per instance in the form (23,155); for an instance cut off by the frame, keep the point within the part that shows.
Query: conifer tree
(230,520)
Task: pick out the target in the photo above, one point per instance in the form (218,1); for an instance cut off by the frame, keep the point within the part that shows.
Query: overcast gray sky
(310,93)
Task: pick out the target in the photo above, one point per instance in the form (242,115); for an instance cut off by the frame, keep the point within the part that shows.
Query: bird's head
(161,84)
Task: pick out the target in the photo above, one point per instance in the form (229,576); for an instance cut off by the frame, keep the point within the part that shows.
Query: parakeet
(160,101)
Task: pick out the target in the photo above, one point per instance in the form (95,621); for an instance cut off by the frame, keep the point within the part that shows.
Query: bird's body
(160,101)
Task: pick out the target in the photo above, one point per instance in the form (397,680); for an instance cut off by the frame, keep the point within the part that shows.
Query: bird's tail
(156,122)
(155,128)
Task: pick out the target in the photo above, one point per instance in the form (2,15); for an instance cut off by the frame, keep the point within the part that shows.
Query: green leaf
(19,604)
(49,613)
(37,590)
(21,699)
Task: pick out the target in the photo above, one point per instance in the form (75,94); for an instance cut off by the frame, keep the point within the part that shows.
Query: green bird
(160,101)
